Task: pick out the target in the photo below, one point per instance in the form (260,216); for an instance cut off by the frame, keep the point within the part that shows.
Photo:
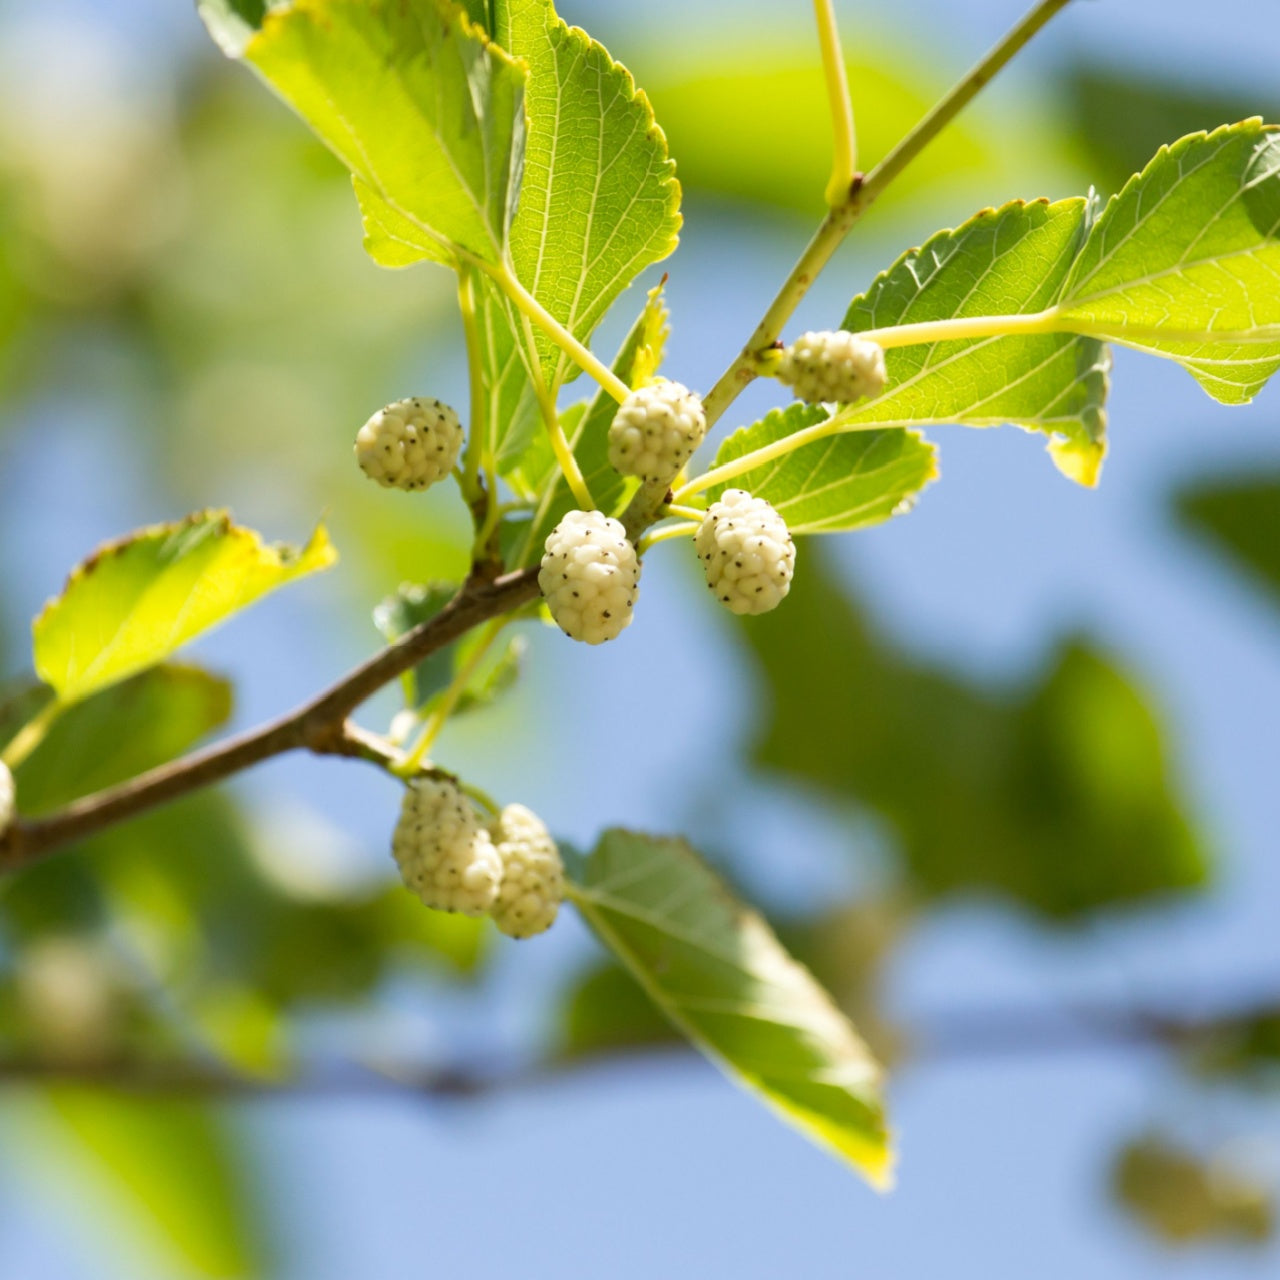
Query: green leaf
(600,201)
(494,678)
(135,601)
(1005,261)
(497,673)
(512,414)
(121,732)
(1056,794)
(1242,517)
(842,482)
(390,238)
(414,100)
(717,971)
(165,1171)
(606,1010)
(398,614)
(586,427)
(1184,262)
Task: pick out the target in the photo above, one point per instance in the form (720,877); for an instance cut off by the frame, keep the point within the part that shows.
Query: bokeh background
(1004,771)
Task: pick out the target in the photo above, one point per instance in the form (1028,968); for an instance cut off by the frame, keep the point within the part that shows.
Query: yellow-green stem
(31,735)
(844,160)
(534,311)
(767,453)
(440,716)
(478,428)
(666,533)
(962,327)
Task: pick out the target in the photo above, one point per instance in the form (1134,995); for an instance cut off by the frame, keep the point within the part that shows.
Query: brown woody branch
(319,726)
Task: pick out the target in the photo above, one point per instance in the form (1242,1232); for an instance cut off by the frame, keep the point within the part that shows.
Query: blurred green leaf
(120,732)
(424,111)
(715,969)
(1240,516)
(170,1174)
(740,113)
(135,601)
(586,427)
(1183,262)
(1183,1198)
(1005,261)
(1123,114)
(842,482)
(1057,795)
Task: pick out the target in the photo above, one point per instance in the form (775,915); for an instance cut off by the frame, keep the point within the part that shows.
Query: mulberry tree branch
(319,726)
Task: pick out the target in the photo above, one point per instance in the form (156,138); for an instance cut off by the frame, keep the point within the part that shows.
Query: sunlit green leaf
(842,482)
(1003,261)
(715,969)
(1185,261)
(120,732)
(136,601)
(600,201)
(413,99)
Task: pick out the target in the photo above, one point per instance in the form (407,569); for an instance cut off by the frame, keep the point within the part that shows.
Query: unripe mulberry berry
(746,552)
(532,874)
(590,576)
(410,444)
(655,431)
(839,368)
(445,856)
(8,798)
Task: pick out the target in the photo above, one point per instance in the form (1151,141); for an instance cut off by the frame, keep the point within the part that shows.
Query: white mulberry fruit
(410,444)
(532,874)
(8,798)
(590,576)
(445,856)
(655,431)
(839,368)
(746,552)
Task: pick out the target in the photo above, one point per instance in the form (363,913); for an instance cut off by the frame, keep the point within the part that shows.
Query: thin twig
(862,193)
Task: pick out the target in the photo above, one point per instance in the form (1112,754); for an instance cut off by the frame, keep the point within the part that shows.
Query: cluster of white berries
(532,874)
(445,856)
(655,431)
(746,553)
(590,576)
(8,798)
(409,444)
(832,368)
(510,869)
